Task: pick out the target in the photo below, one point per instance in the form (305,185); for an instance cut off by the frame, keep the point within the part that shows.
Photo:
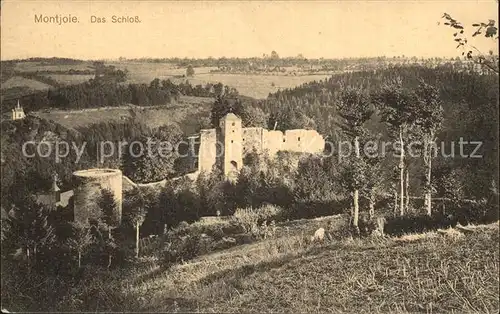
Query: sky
(196,29)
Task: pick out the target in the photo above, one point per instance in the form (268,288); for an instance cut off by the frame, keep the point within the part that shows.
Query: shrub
(270,212)
(182,249)
(250,218)
(247,218)
(469,212)
(216,232)
(474,212)
(367,226)
(264,231)
(397,226)
(313,209)
(187,241)
(446,214)
(232,228)
(183,225)
(185,248)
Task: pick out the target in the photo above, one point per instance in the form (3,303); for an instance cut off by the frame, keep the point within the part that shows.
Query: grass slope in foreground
(426,273)
(432,273)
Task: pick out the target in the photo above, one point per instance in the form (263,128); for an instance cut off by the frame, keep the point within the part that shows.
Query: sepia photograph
(313,156)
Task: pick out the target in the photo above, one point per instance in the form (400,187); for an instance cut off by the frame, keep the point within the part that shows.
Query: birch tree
(376,175)
(80,240)
(355,109)
(135,212)
(429,120)
(397,106)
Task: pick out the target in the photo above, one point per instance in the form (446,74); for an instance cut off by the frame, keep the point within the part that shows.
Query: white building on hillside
(18,112)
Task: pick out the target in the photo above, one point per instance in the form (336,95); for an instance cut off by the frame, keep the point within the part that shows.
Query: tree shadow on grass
(173,305)
(151,275)
(172,301)
(239,273)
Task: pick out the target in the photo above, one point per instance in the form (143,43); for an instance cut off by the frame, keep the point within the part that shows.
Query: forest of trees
(107,90)
(398,104)
(32,175)
(469,101)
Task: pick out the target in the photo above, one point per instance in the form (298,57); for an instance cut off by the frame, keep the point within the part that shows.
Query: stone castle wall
(252,139)
(207,150)
(300,140)
(306,141)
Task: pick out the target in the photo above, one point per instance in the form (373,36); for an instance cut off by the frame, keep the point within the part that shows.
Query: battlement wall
(259,139)
(208,150)
(252,139)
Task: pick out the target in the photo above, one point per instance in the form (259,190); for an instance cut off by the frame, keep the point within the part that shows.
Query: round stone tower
(88,188)
(231,133)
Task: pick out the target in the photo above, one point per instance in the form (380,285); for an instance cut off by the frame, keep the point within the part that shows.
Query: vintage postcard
(249,156)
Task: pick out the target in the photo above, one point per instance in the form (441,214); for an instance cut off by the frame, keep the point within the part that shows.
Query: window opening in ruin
(231,141)
(299,138)
(234,124)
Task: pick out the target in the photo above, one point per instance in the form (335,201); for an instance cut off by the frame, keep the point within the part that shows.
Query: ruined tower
(231,135)
(88,187)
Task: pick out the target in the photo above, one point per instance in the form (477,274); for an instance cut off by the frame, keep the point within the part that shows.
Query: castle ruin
(223,147)
(226,145)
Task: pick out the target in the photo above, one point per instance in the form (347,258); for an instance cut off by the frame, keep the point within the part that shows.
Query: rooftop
(18,107)
(46,199)
(231,116)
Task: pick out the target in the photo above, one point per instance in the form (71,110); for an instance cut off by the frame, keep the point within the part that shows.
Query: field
(145,72)
(432,272)
(186,114)
(30,66)
(256,86)
(252,85)
(14,85)
(18,81)
(69,79)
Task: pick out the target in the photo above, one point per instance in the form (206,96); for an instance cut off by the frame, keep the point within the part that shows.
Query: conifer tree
(27,228)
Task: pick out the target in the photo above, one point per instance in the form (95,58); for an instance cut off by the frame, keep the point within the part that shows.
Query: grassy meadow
(255,86)
(185,113)
(434,272)
(12,76)
(30,84)
(252,85)
(70,79)
(430,272)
